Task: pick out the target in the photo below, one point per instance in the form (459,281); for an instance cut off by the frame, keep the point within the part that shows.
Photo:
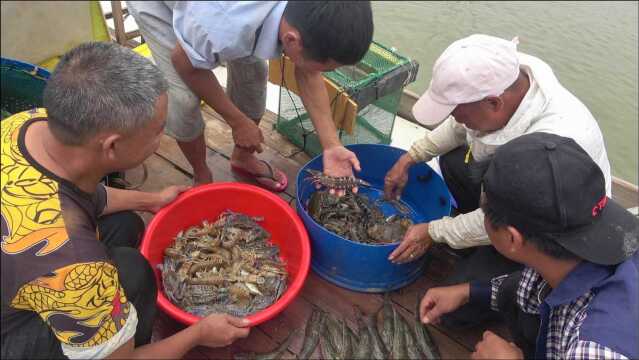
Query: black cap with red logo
(548,185)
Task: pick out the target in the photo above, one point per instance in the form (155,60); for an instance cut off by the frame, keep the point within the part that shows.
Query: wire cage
(375,84)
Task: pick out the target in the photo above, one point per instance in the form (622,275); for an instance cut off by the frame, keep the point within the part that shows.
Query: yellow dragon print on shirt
(30,204)
(84,303)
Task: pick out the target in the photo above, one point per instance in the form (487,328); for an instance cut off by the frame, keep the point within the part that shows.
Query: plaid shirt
(592,314)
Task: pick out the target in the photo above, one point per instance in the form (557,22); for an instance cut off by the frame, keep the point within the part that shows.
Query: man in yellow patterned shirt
(73,283)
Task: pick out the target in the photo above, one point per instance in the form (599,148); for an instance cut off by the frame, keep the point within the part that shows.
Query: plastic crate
(375,84)
(22,85)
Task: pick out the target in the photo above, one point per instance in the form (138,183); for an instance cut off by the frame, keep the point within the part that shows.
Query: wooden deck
(168,166)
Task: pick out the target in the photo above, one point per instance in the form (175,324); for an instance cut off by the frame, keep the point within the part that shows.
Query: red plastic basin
(208,202)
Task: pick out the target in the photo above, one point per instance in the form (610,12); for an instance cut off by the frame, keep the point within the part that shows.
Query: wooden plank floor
(168,166)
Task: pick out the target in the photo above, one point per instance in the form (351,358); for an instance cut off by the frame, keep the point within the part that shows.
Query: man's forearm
(406,161)
(206,86)
(460,232)
(315,99)
(446,137)
(121,200)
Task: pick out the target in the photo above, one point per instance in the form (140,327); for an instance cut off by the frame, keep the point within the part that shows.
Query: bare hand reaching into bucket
(415,243)
(339,162)
(397,177)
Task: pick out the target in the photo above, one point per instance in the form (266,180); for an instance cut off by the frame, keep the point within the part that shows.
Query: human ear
(108,145)
(516,240)
(292,41)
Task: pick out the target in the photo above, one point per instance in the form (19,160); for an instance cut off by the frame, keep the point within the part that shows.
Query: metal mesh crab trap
(375,85)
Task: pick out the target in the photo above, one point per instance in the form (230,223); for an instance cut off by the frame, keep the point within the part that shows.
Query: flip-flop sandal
(282,175)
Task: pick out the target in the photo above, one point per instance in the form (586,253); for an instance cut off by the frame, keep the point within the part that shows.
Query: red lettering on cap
(599,206)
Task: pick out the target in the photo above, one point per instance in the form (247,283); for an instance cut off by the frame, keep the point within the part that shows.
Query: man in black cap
(545,206)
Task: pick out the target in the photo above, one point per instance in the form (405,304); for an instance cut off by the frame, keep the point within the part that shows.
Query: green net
(378,61)
(22,86)
(375,84)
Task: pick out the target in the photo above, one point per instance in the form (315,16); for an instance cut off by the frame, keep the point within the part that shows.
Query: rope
(305,133)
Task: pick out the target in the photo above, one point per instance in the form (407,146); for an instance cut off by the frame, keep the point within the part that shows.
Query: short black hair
(337,30)
(542,241)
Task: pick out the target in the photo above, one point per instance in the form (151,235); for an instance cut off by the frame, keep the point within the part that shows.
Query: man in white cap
(486,93)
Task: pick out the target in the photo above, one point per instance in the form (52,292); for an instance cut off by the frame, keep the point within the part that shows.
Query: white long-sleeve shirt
(546,107)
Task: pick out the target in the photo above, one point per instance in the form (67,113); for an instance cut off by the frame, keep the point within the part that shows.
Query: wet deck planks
(168,166)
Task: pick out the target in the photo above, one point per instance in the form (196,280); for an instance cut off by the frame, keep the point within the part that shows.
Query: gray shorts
(245,86)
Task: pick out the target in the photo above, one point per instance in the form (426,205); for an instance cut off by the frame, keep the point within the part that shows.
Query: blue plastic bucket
(363,267)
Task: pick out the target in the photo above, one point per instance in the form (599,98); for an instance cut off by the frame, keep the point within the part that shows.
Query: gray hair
(100,86)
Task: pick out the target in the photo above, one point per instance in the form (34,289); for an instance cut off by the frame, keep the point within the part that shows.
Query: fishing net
(375,84)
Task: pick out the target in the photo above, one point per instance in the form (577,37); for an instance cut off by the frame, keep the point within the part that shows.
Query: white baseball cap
(468,70)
